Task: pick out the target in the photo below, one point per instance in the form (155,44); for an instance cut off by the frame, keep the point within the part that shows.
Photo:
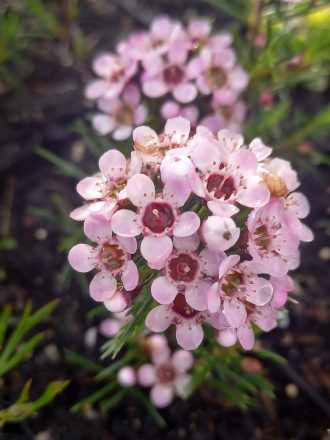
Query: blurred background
(47,144)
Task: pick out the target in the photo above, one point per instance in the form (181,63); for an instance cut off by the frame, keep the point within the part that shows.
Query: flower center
(125,115)
(221,186)
(173,75)
(181,307)
(261,237)
(165,373)
(112,256)
(216,77)
(232,282)
(158,217)
(183,268)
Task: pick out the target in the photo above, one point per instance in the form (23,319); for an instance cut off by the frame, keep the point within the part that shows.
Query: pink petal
(129,244)
(103,64)
(109,327)
(140,114)
(113,164)
(163,291)
(189,336)
(227,337)
(181,384)
(211,261)
(177,53)
(144,137)
(190,243)
(82,258)
(227,264)
(220,233)
(260,292)
(244,161)
(234,312)
(255,196)
(146,375)
(187,225)
(103,286)
(222,209)
(178,128)
(246,337)
(154,88)
(125,223)
(126,377)
(177,192)
(130,276)
(204,155)
(132,95)
(140,189)
(156,249)
(80,213)
(260,150)
(161,395)
(196,295)
(170,109)
(305,233)
(185,92)
(122,133)
(91,188)
(298,204)
(213,298)
(103,124)
(95,89)
(158,319)
(118,302)
(182,360)
(97,228)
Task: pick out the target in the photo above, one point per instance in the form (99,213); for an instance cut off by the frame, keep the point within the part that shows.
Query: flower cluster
(176,64)
(215,223)
(166,375)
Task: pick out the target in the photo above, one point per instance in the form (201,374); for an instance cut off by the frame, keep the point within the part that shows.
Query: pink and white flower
(188,321)
(114,72)
(120,115)
(186,271)
(169,76)
(158,218)
(103,191)
(167,377)
(237,287)
(111,257)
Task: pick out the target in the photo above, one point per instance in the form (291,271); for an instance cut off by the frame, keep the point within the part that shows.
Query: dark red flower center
(221,186)
(165,373)
(181,307)
(112,256)
(183,267)
(158,216)
(173,75)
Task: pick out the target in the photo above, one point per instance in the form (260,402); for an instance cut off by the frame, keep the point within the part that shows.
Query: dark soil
(42,114)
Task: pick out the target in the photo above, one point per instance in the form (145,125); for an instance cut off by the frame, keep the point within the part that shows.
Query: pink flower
(273,239)
(151,148)
(215,69)
(110,327)
(111,257)
(142,45)
(126,376)
(227,177)
(188,321)
(187,272)
(237,286)
(169,76)
(114,72)
(167,376)
(105,189)
(157,218)
(120,114)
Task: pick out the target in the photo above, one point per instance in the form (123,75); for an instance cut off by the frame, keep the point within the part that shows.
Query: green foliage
(24,408)
(15,346)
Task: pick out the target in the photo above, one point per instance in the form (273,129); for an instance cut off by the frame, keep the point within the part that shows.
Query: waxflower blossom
(186,68)
(207,225)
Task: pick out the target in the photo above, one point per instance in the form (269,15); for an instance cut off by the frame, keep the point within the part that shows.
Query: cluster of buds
(213,224)
(177,65)
(166,374)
